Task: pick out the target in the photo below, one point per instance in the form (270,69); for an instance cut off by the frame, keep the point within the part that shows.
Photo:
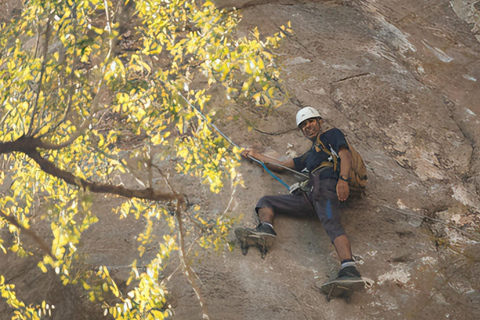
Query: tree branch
(26,144)
(22,144)
(148,194)
(29,145)
(30,232)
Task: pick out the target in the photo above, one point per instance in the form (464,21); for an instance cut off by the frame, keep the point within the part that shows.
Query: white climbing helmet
(307,113)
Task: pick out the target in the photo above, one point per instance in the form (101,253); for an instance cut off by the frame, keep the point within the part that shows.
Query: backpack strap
(333,156)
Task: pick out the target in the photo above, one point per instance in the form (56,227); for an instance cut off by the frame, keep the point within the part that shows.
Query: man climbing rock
(327,186)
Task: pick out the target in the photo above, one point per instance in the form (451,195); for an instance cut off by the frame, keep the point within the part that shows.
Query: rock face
(401,79)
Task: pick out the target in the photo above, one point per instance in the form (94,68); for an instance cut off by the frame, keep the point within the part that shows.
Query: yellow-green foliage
(80,98)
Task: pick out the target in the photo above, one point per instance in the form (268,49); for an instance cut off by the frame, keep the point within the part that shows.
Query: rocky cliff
(401,79)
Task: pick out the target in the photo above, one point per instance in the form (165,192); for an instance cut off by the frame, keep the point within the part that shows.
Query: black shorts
(322,201)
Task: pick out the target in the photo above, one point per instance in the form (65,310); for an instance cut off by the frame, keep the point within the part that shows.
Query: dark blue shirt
(310,160)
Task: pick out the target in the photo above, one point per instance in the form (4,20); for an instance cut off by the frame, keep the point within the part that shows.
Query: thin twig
(85,125)
(71,90)
(39,32)
(164,177)
(150,172)
(38,89)
(230,201)
(44,108)
(187,269)
(127,168)
(5,117)
(12,220)
(109,29)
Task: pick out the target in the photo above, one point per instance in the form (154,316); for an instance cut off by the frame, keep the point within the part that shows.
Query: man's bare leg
(348,269)
(342,245)
(266,215)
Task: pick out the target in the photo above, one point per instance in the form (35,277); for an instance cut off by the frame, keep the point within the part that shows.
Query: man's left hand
(342,190)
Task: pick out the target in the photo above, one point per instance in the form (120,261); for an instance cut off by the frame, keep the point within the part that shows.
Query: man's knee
(334,229)
(264,202)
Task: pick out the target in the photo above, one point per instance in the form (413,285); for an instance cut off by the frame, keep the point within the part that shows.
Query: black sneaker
(348,273)
(264,229)
(263,237)
(344,284)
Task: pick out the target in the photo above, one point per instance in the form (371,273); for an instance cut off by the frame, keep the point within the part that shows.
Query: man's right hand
(249,152)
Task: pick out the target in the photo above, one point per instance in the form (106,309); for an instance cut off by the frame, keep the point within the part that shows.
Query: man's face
(311,128)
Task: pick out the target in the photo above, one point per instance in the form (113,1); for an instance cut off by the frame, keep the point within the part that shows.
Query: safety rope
(289,169)
(270,172)
(234,144)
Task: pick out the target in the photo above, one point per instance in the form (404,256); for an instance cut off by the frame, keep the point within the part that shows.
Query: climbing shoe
(347,281)
(263,237)
(264,229)
(348,273)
